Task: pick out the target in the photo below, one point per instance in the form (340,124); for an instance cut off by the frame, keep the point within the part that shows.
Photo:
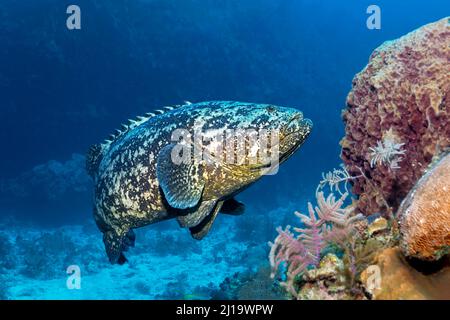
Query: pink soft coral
(327,222)
(287,247)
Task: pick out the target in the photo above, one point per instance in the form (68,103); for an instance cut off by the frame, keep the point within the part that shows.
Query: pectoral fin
(182,183)
(232,207)
(201,230)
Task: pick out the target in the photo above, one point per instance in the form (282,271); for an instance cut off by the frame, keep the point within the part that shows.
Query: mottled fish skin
(127,191)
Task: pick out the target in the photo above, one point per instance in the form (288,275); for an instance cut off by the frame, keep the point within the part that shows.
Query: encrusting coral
(425,214)
(391,277)
(398,117)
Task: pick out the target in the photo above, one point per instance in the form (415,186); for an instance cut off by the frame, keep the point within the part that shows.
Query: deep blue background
(62,90)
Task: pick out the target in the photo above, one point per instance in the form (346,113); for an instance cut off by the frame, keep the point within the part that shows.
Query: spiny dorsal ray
(133,123)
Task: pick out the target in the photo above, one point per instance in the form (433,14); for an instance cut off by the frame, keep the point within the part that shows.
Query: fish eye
(270,109)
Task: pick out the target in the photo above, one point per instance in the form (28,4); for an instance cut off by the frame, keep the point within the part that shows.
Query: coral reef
(327,282)
(394,278)
(356,258)
(229,287)
(329,223)
(328,255)
(7,258)
(304,250)
(337,273)
(398,116)
(260,287)
(250,285)
(50,179)
(397,123)
(380,224)
(425,214)
(47,254)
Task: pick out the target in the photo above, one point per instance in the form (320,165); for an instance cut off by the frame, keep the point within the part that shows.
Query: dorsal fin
(133,123)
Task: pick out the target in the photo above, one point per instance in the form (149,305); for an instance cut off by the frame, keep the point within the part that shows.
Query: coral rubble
(398,116)
(425,214)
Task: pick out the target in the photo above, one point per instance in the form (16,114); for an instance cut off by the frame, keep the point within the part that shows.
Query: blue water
(63,90)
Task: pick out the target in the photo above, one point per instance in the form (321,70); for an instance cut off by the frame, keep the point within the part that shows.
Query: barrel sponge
(424,214)
(404,92)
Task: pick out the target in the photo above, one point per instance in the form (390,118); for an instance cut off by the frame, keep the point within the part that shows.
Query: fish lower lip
(281,159)
(288,153)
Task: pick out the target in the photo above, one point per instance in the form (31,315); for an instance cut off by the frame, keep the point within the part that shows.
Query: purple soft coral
(327,222)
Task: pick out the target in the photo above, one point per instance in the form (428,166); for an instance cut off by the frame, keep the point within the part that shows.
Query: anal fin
(194,218)
(201,230)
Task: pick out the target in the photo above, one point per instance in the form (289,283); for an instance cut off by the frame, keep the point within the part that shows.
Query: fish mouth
(297,130)
(303,128)
(286,155)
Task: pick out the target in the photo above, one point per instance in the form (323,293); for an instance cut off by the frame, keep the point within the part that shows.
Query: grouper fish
(139,178)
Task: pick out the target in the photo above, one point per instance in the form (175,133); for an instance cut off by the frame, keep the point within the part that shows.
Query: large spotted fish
(139,182)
